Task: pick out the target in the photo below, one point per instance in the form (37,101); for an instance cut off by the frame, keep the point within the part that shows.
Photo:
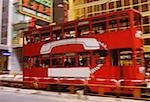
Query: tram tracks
(73,88)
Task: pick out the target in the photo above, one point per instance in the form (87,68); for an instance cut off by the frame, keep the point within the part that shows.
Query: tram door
(116,68)
(3,63)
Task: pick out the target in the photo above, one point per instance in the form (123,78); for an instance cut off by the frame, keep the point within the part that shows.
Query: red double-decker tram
(98,49)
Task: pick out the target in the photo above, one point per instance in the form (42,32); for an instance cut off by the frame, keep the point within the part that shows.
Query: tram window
(139,60)
(113,25)
(36,61)
(31,38)
(57,60)
(124,23)
(126,57)
(57,35)
(36,38)
(99,28)
(101,53)
(85,31)
(98,20)
(69,33)
(45,36)
(103,26)
(114,57)
(84,59)
(45,61)
(69,60)
(99,25)
(69,30)
(26,62)
(100,61)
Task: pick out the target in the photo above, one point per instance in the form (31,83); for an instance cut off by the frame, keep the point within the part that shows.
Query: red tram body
(98,49)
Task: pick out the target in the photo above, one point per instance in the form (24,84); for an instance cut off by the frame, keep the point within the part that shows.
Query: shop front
(4,61)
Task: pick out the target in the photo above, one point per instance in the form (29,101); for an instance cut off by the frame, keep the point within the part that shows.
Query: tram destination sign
(39,9)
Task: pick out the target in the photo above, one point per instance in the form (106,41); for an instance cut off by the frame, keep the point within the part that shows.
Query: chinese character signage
(40,9)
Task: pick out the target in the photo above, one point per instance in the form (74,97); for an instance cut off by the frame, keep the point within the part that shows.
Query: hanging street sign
(39,9)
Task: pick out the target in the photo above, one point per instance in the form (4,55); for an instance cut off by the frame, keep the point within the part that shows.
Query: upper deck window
(83,28)
(45,34)
(69,30)
(124,23)
(82,23)
(36,36)
(57,33)
(99,25)
(112,25)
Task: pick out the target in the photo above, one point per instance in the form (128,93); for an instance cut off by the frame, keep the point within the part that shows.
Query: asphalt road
(24,95)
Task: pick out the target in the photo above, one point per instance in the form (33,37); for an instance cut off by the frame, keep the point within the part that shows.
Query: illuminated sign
(6,53)
(39,9)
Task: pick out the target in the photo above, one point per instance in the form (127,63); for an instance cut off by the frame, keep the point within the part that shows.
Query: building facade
(87,8)
(11,25)
(5,35)
(19,23)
